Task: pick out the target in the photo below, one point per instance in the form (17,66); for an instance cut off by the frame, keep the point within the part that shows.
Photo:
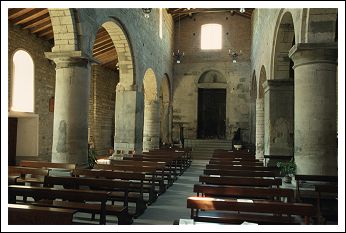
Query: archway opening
(211,120)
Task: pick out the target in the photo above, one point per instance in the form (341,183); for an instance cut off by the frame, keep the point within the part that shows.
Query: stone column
(259,128)
(170,123)
(70,129)
(315,107)
(165,123)
(125,119)
(151,127)
(278,117)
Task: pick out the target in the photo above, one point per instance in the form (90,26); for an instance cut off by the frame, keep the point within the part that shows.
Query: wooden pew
(225,191)
(159,174)
(326,193)
(73,199)
(150,177)
(180,158)
(244,173)
(136,186)
(240,167)
(170,170)
(309,193)
(219,210)
(28,174)
(96,184)
(234,158)
(241,181)
(236,162)
(48,165)
(38,215)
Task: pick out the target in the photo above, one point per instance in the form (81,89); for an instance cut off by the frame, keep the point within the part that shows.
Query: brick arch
(262,79)
(64,29)
(150,86)
(123,48)
(284,39)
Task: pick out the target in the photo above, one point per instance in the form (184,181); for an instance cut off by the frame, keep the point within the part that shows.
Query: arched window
(22,82)
(211,36)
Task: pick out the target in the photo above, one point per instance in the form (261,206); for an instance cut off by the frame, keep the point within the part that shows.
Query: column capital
(69,59)
(126,87)
(278,84)
(311,53)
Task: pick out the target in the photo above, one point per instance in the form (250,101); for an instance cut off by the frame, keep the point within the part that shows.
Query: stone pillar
(125,119)
(278,117)
(170,123)
(70,129)
(315,107)
(151,127)
(165,123)
(259,128)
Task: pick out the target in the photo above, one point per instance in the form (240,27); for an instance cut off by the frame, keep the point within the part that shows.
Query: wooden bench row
(233,211)
(72,199)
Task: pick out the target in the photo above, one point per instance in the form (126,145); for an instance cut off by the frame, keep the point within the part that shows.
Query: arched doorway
(211,106)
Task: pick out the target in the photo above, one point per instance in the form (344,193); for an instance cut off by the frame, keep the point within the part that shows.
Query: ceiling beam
(29,15)
(16,12)
(36,21)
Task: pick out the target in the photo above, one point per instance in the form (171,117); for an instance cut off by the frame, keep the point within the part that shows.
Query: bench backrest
(53,193)
(109,174)
(38,215)
(16,170)
(259,206)
(314,179)
(239,167)
(44,164)
(95,183)
(241,181)
(245,173)
(146,169)
(236,162)
(244,192)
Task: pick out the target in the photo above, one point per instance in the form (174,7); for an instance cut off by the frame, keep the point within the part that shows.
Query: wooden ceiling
(104,50)
(37,21)
(185,12)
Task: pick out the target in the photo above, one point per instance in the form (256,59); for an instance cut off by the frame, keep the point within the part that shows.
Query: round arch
(150,86)
(123,49)
(63,23)
(284,39)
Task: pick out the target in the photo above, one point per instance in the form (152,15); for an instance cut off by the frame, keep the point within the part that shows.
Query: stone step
(203,149)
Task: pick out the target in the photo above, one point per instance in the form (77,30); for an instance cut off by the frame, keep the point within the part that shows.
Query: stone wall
(44,72)
(236,35)
(102,107)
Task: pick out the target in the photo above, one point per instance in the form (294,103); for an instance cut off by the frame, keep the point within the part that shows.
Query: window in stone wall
(22,82)
(211,36)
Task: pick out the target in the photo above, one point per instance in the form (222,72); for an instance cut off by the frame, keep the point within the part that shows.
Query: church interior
(174,116)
